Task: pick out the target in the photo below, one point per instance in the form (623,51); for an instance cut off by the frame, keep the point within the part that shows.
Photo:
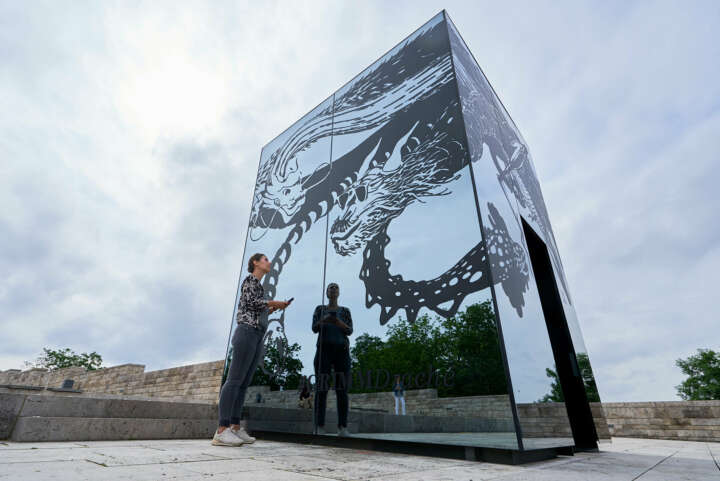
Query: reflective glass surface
(508,193)
(406,250)
(406,261)
(288,224)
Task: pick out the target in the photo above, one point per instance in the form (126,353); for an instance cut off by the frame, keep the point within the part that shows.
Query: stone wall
(536,420)
(417,401)
(199,382)
(680,420)
(687,420)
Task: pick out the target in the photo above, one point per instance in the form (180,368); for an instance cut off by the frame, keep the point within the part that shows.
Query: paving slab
(40,455)
(51,471)
(229,466)
(190,460)
(143,455)
(147,472)
(263,475)
(474,472)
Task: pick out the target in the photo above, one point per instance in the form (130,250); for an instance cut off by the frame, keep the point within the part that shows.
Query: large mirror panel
(288,224)
(497,151)
(405,255)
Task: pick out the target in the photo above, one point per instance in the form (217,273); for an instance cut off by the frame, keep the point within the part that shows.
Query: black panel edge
(508,378)
(490,455)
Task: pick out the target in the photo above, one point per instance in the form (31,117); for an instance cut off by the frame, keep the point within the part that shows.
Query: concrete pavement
(623,459)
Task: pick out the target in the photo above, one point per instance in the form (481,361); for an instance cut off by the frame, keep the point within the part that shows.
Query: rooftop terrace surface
(623,459)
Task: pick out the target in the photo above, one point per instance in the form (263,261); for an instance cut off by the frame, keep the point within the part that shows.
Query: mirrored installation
(404,216)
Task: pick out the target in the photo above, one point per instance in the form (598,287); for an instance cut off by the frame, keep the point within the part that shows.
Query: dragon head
(416,166)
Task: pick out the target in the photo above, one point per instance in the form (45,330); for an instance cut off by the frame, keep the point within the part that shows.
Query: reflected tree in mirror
(462,353)
(588,377)
(469,347)
(281,367)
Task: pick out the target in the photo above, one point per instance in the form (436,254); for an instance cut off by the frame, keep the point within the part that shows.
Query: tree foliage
(283,365)
(703,376)
(469,346)
(53,359)
(591,390)
(464,350)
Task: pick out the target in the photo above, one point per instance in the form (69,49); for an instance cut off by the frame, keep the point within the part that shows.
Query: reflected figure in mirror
(333,323)
(399,394)
(306,398)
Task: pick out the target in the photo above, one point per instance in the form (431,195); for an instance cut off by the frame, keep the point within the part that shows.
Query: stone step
(301,427)
(298,415)
(382,423)
(32,417)
(281,414)
(36,428)
(23,417)
(100,407)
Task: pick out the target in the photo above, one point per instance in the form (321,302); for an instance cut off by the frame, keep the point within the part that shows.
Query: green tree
(556,394)
(53,359)
(703,376)
(591,391)
(283,365)
(367,354)
(367,350)
(465,347)
(469,347)
(410,348)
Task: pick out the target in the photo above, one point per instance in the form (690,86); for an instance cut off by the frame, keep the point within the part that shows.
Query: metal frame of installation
(412,189)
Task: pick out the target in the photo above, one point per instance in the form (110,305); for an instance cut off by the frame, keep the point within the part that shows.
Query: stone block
(10,405)
(369,422)
(65,406)
(398,424)
(105,429)
(279,414)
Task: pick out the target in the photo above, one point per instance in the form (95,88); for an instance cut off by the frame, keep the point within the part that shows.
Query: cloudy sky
(130,134)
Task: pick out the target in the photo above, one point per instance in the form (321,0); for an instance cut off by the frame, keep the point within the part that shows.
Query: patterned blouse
(252,302)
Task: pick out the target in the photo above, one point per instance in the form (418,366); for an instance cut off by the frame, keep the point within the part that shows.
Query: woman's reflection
(334,324)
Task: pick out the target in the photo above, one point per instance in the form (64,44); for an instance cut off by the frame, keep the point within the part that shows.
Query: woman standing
(399,394)
(247,347)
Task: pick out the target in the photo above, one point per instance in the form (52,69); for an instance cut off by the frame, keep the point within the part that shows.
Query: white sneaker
(226,438)
(343,432)
(242,434)
(321,430)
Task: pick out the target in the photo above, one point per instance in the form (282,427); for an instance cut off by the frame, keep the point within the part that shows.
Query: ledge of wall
(196,382)
(677,420)
(681,420)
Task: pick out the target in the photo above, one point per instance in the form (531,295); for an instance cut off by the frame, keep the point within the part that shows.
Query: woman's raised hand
(275,305)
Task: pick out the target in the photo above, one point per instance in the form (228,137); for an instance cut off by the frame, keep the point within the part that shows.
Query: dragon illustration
(413,149)
(489,124)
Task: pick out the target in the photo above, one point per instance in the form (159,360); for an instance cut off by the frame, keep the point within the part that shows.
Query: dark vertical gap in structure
(322,293)
(501,339)
(571,381)
(237,289)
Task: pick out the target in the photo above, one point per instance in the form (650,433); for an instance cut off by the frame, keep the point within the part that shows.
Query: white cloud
(131,134)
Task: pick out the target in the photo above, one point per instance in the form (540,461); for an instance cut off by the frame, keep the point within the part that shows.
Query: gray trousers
(247,348)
